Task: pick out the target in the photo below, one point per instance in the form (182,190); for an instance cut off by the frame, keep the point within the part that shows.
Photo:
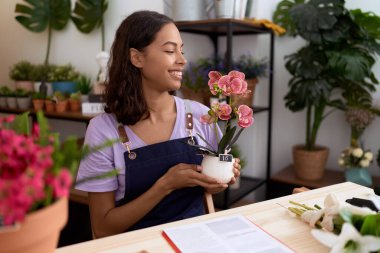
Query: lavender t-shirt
(104,127)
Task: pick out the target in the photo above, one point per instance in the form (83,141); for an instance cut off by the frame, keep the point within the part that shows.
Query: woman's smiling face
(163,61)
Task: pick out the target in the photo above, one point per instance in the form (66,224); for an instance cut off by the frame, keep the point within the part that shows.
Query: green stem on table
(301,205)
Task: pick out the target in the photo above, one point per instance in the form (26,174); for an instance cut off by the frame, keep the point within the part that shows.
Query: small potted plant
(38,100)
(4,92)
(49,104)
(218,162)
(75,102)
(11,99)
(40,74)
(21,74)
(64,78)
(61,101)
(23,99)
(355,161)
(84,87)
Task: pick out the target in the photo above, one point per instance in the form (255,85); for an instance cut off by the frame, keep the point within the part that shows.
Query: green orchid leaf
(226,140)
(205,141)
(37,15)
(44,128)
(88,14)
(371,225)
(235,138)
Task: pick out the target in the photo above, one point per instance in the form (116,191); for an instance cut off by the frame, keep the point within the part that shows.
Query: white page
(228,234)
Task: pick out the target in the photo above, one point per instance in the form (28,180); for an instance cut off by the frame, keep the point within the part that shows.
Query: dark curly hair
(123,93)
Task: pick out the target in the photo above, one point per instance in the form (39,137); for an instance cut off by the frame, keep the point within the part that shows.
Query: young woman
(159,179)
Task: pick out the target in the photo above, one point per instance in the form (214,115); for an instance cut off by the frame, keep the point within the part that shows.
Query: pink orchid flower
(245,116)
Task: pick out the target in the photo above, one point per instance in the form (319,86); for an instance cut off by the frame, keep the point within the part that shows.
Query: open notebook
(229,234)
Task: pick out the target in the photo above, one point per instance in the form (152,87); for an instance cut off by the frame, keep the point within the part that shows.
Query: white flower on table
(349,240)
(368,155)
(364,163)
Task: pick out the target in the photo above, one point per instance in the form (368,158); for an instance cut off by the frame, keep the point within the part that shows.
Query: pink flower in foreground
(245,116)
(61,183)
(213,82)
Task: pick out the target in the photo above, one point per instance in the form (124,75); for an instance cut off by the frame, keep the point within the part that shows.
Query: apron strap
(189,122)
(125,141)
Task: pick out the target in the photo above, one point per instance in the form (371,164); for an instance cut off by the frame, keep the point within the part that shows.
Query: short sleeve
(98,162)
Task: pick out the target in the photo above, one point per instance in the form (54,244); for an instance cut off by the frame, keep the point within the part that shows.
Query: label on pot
(225,158)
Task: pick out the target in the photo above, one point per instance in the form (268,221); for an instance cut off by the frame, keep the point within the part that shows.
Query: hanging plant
(88,15)
(39,15)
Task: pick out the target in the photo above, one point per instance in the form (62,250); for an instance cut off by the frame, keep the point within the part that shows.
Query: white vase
(221,170)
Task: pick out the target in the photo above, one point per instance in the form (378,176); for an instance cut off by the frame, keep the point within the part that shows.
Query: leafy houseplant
(339,54)
(337,58)
(227,85)
(39,15)
(64,78)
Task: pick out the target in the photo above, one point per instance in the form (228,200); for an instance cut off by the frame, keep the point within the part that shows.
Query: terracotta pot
(49,106)
(38,104)
(310,165)
(39,232)
(61,106)
(247,99)
(221,170)
(75,105)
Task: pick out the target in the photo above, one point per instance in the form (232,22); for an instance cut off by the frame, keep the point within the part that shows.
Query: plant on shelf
(40,15)
(4,93)
(64,78)
(75,102)
(61,101)
(21,71)
(84,85)
(41,72)
(337,58)
(23,99)
(38,100)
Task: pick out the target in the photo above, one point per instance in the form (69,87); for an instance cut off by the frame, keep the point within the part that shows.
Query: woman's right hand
(188,175)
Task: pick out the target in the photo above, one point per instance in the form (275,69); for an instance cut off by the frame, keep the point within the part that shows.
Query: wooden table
(270,215)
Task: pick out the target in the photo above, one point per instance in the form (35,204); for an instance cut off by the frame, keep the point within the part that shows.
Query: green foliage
(84,85)
(58,96)
(63,73)
(21,71)
(5,91)
(236,152)
(75,96)
(38,95)
(338,58)
(41,72)
(22,93)
(39,15)
(88,15)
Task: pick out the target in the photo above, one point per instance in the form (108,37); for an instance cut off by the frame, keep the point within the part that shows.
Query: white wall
(17,43)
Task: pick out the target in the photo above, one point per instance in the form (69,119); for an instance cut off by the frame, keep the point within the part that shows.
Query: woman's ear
(136,57)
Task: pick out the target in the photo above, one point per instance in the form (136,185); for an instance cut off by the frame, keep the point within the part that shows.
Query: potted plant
(40,74)
(84,87)
(63,78)
(36,181)
(4,92)
(337,58)
(23,99)
(61,101)
(49,104)
(40,15)
(11,99)
(218,163)
(75,102)
(355,161)
(38,100)
(21,74)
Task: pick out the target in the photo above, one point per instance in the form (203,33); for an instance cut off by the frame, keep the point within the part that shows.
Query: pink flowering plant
(232,84)
(35,168)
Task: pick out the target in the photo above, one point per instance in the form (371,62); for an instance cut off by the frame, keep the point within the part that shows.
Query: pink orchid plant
(35,169)
(232,84)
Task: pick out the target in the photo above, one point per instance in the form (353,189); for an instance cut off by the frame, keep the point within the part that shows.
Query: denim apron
(145,165)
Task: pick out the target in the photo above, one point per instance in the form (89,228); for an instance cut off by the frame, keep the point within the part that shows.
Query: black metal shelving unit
(215,28)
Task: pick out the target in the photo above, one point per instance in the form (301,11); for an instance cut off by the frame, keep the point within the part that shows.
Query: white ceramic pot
(24,103)
(221,170)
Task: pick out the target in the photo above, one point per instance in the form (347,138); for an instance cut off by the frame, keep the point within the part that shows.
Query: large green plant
(88,15)
(337,58)
(39,15)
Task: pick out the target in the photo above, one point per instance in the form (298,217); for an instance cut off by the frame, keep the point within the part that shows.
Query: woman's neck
(161,106)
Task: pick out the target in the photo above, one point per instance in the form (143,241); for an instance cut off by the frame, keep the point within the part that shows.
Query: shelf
(73,116)
(219,27)
(330,177)
(247,185)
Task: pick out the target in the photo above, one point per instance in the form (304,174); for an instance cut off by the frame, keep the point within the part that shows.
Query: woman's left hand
(236,171)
